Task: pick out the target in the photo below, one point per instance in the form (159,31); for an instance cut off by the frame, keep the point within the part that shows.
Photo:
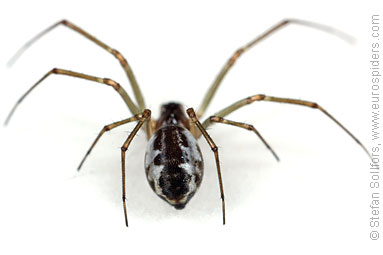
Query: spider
(173,160)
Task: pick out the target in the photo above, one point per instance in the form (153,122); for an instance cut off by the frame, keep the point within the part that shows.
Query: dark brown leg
(213,88)
(109,82)
(118,55)
(214,148)
(245,126)
(144,117)
(261,97)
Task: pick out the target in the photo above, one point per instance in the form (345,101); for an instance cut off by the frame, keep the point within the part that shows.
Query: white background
(315,201)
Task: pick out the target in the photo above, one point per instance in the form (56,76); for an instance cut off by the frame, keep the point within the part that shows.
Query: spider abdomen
(174,164)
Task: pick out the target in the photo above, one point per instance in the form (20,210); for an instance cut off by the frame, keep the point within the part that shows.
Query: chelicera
(173,161)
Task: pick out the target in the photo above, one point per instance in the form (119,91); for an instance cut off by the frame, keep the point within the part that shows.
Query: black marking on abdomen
(174,165)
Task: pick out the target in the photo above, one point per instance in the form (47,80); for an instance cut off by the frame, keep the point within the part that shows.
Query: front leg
(214,148)
(144,117)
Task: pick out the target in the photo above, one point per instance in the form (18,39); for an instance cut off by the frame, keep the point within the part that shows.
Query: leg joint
(216,118)
(112,83)
(146,114)
(118,55)
(250,127)
(258,97)
(285,21)
(191,113)
(235,56)
(64,22)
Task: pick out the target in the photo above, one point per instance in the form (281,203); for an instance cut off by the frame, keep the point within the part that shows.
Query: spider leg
(106,129)
(145,116)
(214,148)
(131,105)
(115,53)
(213,88)
(245,126)
(261,97)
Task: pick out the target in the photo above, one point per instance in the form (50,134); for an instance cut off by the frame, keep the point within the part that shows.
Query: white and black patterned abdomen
(174,164)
